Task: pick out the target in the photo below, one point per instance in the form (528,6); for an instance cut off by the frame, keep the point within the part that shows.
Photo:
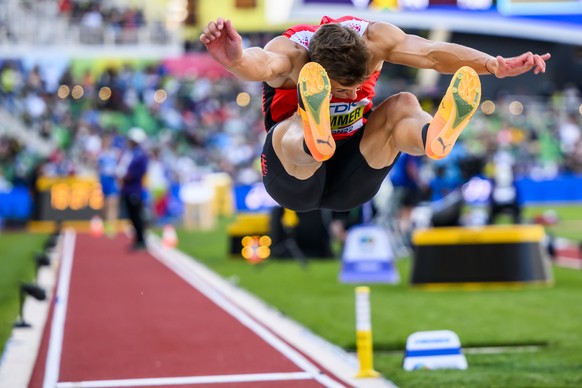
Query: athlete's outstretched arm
(395,46)
(252,64)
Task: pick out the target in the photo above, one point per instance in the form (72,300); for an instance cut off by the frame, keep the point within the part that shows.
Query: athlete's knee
(400,106)
(406,100)
(407,107)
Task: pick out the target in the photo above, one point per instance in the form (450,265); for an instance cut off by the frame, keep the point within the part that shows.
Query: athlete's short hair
(341,52)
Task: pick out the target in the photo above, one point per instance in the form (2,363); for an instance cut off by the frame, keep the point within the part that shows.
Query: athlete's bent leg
(288,146)
(400,124)
(287,190)
(394,126)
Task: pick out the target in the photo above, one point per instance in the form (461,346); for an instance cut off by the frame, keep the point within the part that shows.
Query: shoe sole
(465,92)
(314,90)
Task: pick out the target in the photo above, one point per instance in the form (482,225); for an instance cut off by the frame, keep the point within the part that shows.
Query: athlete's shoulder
(381,37)
(382,26)
(300,34)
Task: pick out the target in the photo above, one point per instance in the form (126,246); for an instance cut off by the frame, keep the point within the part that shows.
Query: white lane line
(241,378)
(183,268)
(53,360)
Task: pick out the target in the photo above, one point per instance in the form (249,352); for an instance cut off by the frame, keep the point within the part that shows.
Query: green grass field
(549,318)
(17,252)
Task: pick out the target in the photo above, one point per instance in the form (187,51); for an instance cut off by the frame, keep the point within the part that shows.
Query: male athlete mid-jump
(326,146)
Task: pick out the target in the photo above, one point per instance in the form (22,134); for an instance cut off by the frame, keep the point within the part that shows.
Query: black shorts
(343,182)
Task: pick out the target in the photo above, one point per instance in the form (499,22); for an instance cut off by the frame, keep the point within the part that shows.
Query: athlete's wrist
(488,68)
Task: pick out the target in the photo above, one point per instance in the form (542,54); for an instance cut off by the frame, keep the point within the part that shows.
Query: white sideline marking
(252,377)
(185,271)
(53,360)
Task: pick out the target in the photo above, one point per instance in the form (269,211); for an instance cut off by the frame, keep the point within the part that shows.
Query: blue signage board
(253,198)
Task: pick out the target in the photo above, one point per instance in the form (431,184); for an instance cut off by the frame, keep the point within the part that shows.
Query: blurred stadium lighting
(256,249)
(277,11)
(77,92)
(63,92)
(105,93)
(243,99)
(516,108)
(160,96)
(488,107)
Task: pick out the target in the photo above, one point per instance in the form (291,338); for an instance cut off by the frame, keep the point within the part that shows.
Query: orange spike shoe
(456,109)
(314,91)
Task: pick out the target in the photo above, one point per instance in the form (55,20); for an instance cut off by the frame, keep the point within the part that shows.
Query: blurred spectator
(107,162)
(569,132)
(441,184)
(134,164)
(65,6)
(35,174)
(92,26)
(408,187)
(157,185)
(10,83)
(504,195)
(34,81)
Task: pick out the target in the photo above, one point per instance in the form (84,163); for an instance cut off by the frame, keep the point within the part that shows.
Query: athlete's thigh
(286,190)
(393,122)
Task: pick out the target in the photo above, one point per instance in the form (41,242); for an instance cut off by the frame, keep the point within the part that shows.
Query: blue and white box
(368,256)
(437,349)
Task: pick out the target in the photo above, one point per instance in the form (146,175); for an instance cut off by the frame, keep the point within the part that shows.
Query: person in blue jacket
(132,185)
(107,162)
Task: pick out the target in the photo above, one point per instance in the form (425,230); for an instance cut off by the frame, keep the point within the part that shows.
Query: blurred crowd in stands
(85,21)
(96,19)
(194,125)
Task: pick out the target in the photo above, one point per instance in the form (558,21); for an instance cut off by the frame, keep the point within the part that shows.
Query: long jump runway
(157,318)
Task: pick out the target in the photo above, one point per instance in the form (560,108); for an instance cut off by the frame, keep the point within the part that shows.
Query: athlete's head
(342,53)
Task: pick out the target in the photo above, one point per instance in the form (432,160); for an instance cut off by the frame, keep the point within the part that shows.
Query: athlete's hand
(222,42)
(510,67)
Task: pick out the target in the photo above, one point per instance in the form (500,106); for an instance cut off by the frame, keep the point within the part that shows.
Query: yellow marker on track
(364,334)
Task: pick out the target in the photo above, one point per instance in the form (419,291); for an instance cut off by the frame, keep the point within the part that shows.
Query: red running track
(123,318)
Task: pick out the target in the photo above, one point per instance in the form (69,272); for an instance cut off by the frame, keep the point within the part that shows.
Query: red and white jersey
(347,116)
